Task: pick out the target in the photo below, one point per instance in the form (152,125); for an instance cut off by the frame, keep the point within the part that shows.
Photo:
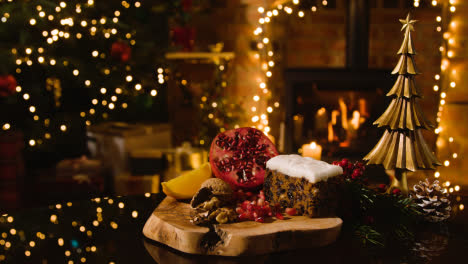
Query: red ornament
(121,51)
(7,85)
(396,191)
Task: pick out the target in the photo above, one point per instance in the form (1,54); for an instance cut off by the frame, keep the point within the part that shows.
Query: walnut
(221,216)
(211,203)
(213,187)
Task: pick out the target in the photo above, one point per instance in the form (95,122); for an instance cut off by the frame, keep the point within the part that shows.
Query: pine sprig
(375,218)
(368,235)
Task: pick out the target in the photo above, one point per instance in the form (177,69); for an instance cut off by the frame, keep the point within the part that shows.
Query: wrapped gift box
(83,171)
(147,161)
(69,168)
(112,142)
(127,184)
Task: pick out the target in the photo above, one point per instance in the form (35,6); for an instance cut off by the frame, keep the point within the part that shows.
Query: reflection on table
(108,230)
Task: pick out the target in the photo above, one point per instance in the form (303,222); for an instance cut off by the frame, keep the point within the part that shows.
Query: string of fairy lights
(108,98)
(261,108)
(443,81)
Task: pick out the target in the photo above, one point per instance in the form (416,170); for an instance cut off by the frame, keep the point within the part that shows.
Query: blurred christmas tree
(218,112)
(69,64)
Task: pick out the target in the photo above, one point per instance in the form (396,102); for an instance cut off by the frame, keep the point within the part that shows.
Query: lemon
(186,185)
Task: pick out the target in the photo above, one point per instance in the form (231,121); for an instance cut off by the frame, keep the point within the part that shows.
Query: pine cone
(433,200)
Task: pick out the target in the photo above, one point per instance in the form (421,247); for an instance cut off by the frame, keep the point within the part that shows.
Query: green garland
(373,217)
(378,218)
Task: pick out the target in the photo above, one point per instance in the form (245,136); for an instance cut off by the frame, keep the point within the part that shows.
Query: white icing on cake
(303,167)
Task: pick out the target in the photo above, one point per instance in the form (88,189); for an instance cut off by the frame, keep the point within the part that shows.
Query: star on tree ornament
(408,23)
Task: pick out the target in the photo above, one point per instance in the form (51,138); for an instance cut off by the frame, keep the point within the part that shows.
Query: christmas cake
(310,186)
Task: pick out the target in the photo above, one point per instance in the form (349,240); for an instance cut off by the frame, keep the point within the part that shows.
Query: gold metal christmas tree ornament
(402,147)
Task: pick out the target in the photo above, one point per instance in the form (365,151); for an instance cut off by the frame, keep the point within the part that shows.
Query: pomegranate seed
(244,216)
(260,220)
(260,201)
(239,210)
(261,195)
(279,216)
(291,211)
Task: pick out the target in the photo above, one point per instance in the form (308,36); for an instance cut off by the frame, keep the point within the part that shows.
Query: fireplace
(336,107)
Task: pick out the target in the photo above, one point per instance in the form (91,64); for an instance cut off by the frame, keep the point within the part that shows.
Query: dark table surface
(108,230)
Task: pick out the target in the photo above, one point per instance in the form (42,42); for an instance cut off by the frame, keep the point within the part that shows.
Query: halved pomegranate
(239,157)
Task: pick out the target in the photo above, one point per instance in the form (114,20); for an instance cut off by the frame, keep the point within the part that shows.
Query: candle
(298,121)
(312,150)
(344,113)
(321,123)
(321,119)
(281,137)
(355,121)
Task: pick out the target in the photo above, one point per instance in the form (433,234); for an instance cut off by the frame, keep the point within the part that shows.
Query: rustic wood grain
(170,224)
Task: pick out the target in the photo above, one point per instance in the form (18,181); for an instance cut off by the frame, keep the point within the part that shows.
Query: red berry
(382,187)
(291,211)
(356,174)
(239,210)
(396,191)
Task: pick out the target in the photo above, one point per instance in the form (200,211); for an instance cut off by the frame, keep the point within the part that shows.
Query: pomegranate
(239,157)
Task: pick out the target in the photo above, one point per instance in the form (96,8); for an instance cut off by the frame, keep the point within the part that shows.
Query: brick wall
(317,40)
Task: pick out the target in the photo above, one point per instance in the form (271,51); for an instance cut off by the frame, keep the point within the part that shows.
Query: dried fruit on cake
(239,157)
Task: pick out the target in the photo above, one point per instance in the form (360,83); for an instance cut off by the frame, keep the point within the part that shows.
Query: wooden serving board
(170,224)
